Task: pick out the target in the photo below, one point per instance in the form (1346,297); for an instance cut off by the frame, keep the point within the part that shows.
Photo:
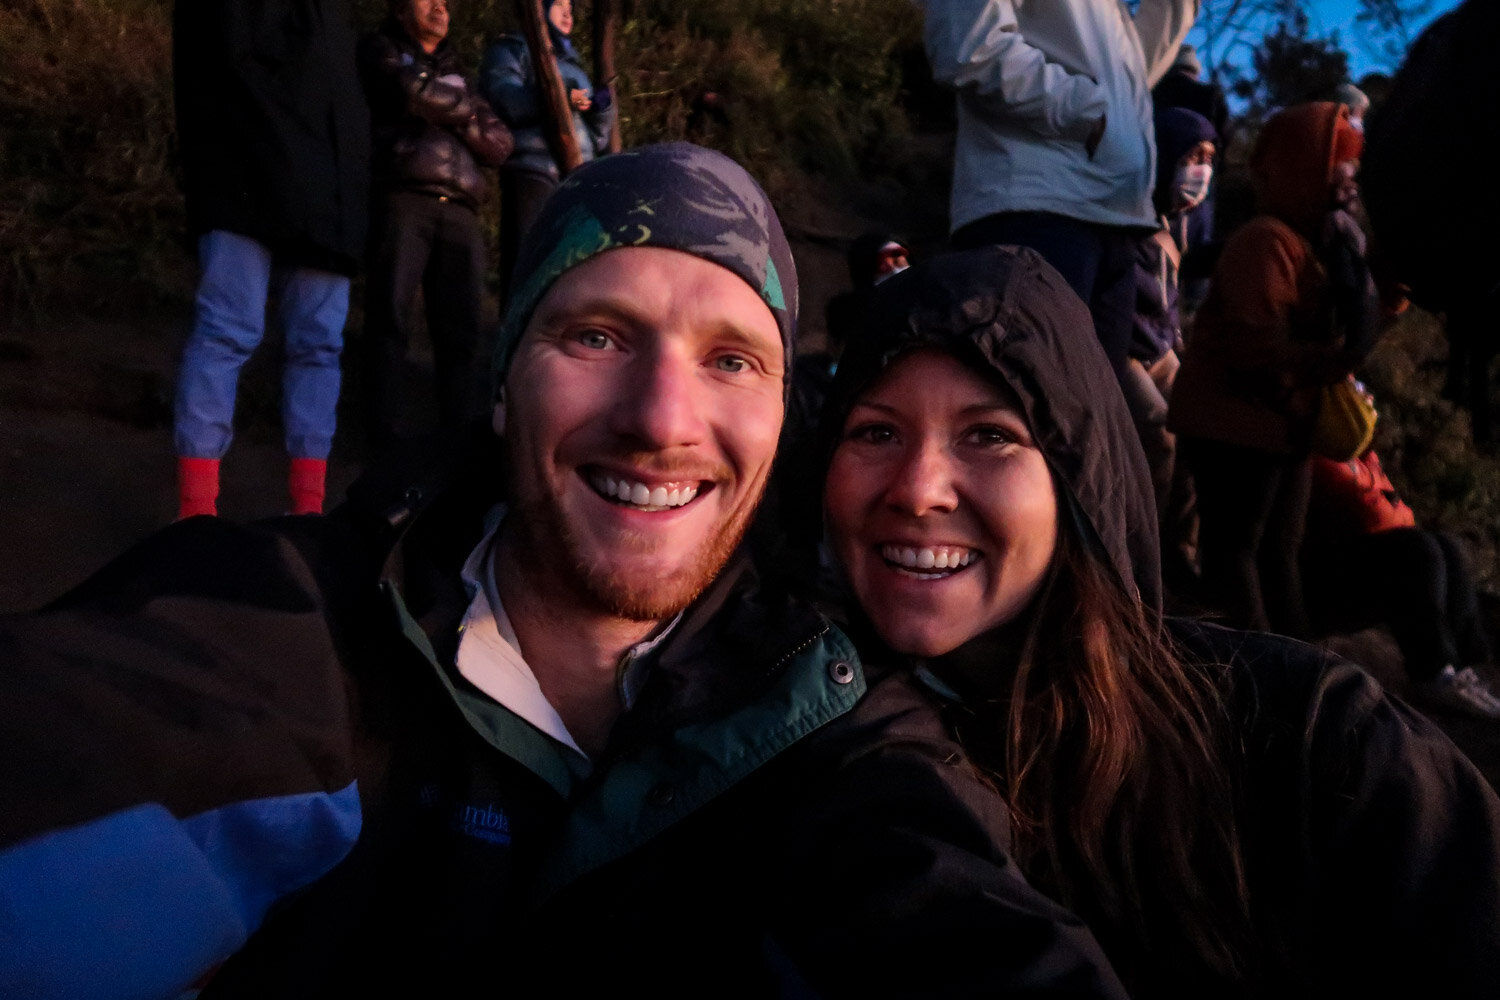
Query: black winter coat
(1371,844)
(272,128)
(432,132)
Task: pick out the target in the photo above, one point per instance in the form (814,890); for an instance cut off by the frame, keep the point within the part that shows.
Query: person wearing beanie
(1291,309)
(508,81)
(594,751)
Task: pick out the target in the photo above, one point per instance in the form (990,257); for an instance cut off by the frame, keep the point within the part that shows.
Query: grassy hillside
(91,218)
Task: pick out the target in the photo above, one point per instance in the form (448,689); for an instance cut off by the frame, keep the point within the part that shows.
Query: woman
(1234,814)
(509,83)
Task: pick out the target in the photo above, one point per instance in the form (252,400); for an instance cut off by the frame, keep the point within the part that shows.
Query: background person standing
(274,138)
(509,82)
(433,135)
(1054,148)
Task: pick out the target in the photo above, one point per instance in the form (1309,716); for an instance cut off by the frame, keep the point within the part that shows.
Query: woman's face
(940,506)
(561,16)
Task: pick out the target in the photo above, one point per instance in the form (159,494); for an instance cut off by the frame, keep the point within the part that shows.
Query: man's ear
(497,418)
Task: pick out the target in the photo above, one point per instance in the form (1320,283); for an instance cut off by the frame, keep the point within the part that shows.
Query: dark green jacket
(766,820)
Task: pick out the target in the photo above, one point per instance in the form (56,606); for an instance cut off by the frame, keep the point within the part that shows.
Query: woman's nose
(924,482)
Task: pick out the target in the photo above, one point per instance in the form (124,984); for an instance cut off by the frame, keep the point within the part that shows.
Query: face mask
(1192,184)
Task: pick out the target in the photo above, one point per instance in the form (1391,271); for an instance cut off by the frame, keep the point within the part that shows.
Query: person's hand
(580,100)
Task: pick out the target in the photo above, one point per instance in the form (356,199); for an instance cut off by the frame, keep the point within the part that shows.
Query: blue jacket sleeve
(177,756)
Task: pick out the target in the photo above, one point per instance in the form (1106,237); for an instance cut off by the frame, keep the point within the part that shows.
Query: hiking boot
(1459,691)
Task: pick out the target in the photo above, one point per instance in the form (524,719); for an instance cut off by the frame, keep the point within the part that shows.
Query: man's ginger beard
(608,589)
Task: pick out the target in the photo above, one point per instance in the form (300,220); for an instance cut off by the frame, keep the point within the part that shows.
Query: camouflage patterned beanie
(673,195)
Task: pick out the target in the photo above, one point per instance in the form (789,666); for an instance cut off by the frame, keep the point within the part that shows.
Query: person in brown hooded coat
(1291,309)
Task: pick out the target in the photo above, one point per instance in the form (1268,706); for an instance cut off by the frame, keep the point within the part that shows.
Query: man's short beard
(607,590)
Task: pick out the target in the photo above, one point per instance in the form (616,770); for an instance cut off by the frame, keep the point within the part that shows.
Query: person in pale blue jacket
(1054,147)
(508,81)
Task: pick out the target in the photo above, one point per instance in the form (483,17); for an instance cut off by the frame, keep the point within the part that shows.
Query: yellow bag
(1345,425)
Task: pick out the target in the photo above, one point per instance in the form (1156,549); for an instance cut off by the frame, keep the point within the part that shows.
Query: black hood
(1005,311)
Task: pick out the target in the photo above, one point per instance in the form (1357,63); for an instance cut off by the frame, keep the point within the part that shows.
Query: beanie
(674,195)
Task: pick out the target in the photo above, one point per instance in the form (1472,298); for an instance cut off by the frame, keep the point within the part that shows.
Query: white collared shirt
(489,654)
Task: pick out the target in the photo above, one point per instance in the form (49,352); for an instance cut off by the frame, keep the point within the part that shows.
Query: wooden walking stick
(604,61)
(557,112)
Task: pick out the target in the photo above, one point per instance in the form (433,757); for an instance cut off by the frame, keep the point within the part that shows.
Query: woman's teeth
(640,495)
(929,562)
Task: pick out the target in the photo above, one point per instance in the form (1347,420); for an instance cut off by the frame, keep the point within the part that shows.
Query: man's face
(641,413)
(426,21)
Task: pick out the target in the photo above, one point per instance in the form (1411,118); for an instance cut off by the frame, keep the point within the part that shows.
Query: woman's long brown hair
(1118,766)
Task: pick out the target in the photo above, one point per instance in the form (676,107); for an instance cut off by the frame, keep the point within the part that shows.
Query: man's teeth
(924,560)
(641,495)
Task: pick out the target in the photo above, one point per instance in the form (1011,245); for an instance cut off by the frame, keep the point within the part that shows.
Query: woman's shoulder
(1279,687)
(1361,812)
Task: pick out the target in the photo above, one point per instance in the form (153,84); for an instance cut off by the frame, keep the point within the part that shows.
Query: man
(594,752)
(275,141)
(432,136)
(1054,134)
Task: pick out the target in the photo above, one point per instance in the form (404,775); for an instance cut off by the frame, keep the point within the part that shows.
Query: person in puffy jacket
(508,81)
(433,135)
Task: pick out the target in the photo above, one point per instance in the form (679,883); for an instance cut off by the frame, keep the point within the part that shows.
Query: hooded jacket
(1157,328)
(1033,79)
(1273,330)
(1371,844)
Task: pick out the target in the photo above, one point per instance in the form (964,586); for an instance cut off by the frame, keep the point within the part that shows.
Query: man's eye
(596,339)
(731,363)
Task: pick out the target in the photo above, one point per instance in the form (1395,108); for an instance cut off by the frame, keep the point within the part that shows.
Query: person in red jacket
(1367,563)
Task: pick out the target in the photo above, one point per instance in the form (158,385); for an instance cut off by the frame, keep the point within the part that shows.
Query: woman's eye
(871,433)
(990,435)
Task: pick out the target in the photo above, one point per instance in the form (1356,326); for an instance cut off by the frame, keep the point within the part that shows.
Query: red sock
(197,486)
(306,483)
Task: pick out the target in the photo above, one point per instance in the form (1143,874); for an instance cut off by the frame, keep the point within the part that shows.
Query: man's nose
(924,482)
(662,402)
